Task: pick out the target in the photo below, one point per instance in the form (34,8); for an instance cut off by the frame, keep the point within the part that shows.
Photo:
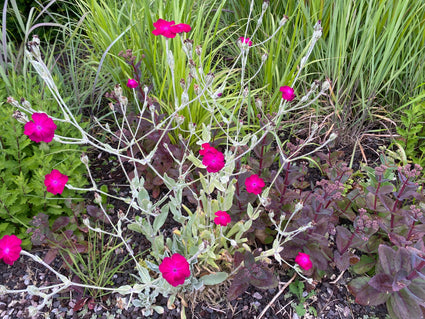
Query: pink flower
(132,83)
(41,128)
(55,182)
(254,184)
(287,93)
(10,248)
(304,261)
(175,269)
(213,159)
(246,40)
(222,218)
(169,29)
(181,27)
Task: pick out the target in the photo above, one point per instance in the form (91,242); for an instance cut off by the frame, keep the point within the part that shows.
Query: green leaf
(160,219)
(365,264)
(214,279)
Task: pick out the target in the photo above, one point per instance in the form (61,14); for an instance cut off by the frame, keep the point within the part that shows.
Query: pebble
(257,295)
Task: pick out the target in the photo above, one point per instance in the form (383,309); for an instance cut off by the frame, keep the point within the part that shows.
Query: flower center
(6,250)
(174,269)
(55,182)
(39,128)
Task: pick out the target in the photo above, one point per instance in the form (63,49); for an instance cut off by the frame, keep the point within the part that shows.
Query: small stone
(257,295)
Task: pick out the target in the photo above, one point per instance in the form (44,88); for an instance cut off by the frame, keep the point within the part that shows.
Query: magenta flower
(304,261)
(222,218)
(181,27)
(55,182)
(287,93)
(41,128)
(254,184)
(213,159)
(169,29)
(175,269)
(245,40)
(10,248)
(132,83)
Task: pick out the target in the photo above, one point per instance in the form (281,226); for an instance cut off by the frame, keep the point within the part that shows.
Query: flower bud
(123,103)
(179,119)
(198,50)
(196,89)
(86,221)
(187,47)
(20,117)
(209,78)
(118,90)
(97,198)
(145,90)
(332,136)
(265,5)
(283,21)
(84,159)
(264,57)
(258,103)
(183,84)
(326,85)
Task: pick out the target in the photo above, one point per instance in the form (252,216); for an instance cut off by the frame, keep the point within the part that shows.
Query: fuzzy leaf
(387,259)
(365,294)
(382,282)
(214,279)
(342,261)
(400,281)
(239,284)
(160,219)
(400,305)
(385,189)
(365,264)
(262,277)
(342,238)
(60,223)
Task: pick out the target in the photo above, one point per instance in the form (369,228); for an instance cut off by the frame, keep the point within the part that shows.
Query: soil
(329,298)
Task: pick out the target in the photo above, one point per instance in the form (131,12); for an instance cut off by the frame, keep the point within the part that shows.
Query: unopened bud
(118,90)
(264,57)
(179,119)
(209,78)
(187,47)
(97,198)
(198,50)
(121,214)
(183,84)
(86,221)
(196,89)
(84,159)
(20,117)
(259,103)
(265,5)
(332,136)
(326,85)
(123,103)
(25,104)
(283,21)
(245,92)
(317,30)
(185,98)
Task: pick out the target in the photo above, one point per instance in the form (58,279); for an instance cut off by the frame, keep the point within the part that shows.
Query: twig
(337,279)
(276,296)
